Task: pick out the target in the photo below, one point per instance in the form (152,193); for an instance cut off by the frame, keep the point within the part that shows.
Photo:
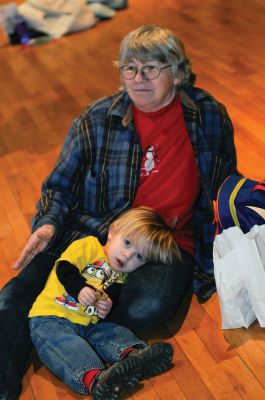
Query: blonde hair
(145,225)
(152,42)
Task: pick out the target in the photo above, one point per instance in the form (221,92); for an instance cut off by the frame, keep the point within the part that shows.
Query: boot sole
(126,373)
(156,359)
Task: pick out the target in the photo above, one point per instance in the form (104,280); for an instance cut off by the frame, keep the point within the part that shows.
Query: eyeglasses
(147,71)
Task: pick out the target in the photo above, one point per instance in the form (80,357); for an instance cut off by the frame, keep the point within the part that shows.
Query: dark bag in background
(240,202)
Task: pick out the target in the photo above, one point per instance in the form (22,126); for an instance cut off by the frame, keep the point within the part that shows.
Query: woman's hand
(36,243)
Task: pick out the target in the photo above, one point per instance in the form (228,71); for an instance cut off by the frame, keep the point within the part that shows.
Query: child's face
(124,256)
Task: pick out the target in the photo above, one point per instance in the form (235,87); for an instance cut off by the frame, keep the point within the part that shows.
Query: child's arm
(75,284)
(69,276)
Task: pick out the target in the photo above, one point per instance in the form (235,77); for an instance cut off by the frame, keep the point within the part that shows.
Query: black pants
(150,296)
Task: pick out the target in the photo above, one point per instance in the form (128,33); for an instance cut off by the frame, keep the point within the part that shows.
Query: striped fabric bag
(240,202)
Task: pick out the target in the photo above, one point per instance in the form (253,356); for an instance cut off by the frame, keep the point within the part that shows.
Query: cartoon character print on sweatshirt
(150,161)
(95,274)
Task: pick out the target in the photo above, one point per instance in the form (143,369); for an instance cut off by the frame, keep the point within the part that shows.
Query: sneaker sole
(126,373)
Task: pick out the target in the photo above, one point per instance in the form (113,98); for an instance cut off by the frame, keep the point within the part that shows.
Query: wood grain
(43,88)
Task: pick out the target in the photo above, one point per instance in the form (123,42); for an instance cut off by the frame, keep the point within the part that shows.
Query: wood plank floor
(43,88)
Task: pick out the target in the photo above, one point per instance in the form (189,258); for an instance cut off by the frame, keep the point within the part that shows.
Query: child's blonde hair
(145,225)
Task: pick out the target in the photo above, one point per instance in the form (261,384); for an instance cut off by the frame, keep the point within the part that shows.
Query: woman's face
(151,95)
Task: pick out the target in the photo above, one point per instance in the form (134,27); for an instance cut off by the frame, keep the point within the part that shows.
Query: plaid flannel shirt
(97,174)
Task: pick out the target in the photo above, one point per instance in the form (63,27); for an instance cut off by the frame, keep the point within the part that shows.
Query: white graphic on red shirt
(150,161)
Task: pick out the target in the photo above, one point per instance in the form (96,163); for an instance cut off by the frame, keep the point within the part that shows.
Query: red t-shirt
(169,181)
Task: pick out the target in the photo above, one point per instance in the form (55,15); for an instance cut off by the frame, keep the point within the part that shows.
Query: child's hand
(87,296)
(104,307)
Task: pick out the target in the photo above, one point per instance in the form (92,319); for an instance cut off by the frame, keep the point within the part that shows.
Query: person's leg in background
(152,294)
(16,299)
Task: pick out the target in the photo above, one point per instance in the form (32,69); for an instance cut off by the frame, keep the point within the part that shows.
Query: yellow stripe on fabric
(232,201)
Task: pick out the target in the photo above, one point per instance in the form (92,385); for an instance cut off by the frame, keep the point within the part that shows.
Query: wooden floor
(43,88)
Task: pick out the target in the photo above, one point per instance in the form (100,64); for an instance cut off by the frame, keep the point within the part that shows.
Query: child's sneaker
(155,359)
(125,373)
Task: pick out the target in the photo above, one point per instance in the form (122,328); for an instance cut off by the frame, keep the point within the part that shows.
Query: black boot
(108,384)
(155,359)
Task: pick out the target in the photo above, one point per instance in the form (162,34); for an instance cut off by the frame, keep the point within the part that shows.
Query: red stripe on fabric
(259,186)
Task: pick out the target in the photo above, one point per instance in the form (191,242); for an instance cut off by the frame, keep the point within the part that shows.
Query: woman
(160,142)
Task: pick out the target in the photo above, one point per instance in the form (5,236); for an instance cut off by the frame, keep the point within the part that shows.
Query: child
(63,319)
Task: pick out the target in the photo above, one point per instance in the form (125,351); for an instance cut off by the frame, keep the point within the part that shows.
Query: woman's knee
(21,291)
(154,292)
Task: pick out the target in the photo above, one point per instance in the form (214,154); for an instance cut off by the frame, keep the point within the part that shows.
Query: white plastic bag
(239,263)
(57,17)
(251,251)
(234,300)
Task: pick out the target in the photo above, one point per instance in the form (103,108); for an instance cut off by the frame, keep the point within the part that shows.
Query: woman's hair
(151,42)
(145,225)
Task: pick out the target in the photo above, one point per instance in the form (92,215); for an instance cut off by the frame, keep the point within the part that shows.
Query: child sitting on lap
(63,319)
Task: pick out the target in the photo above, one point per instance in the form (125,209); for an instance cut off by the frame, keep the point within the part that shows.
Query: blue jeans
(69,350)
(151,296)
(16,299)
